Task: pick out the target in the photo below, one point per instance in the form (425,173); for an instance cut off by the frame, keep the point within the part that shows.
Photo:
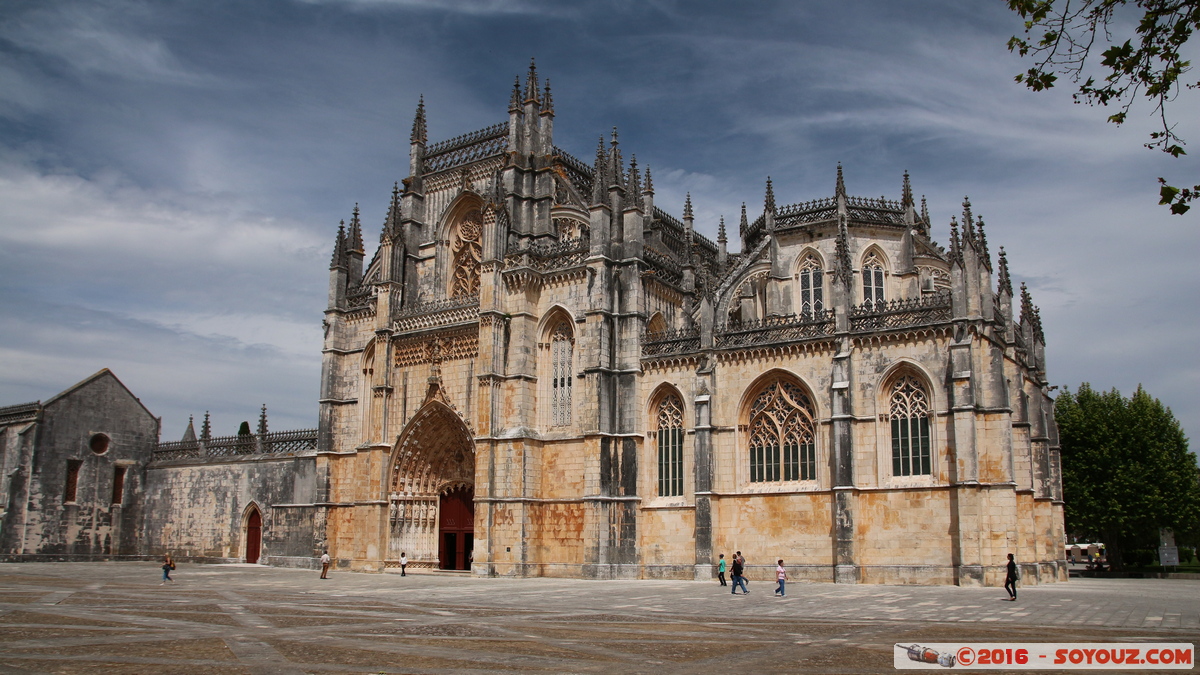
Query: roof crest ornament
(205,428)
(262,421)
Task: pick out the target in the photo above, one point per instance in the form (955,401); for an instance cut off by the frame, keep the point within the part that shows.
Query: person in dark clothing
(736,575)
(1010,579)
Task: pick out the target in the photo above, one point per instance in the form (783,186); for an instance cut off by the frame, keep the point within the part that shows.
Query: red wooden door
(457,527)
(253,536)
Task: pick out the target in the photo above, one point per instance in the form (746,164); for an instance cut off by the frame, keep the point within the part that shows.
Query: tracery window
(561,348)
(782,443)
(811,289)
(872,276)
(467,252)
(910,428)
(670,447)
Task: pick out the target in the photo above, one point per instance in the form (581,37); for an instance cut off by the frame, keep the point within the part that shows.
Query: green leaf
(1167,193)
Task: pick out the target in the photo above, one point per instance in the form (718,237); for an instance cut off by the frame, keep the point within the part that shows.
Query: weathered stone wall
(40,519)
(198,508)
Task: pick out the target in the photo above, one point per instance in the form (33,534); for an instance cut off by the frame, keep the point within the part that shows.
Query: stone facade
(625,398)
(542,373)
(73,477)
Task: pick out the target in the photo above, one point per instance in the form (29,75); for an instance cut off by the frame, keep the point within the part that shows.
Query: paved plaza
(115,617)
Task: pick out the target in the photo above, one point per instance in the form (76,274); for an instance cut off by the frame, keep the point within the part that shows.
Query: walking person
(721,570)
(1010,578)
(738,579)
(325,565)
(403,563)
(167,566)
(781,577)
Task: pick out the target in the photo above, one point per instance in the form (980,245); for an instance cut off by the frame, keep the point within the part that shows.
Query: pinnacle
(687,206)
(531,83)
(840,188)
(907,198)
(721,239)
(418,129)
(769,201)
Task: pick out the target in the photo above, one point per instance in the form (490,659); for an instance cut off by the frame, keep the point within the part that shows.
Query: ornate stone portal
(435,457)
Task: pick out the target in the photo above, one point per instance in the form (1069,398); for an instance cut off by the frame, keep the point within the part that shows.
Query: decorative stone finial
(262,421)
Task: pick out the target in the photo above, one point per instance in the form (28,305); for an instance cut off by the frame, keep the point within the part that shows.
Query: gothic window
(910,428)
(670,447)
(811,289)
(561,347)
(467,252)
(782,443)
(872,276)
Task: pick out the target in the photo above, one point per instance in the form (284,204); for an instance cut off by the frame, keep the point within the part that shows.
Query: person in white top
(781,577)
(403,563)
(325,565)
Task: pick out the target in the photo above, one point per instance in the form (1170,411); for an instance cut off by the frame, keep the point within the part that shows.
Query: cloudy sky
(172,173)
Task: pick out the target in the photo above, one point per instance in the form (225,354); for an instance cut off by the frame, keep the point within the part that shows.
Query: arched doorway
(456,528)
(431,498)
(253,535)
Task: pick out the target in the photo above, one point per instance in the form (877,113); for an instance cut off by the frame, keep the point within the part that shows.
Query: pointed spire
(744,223)
(418,127)
(1004,281)
(262,421)
(721,238)
(1037,325)
(547,101)
(339,248)
(968,221)
(189,434)
(354,239)
(955,244)
(600,174)
(391,224)
(983,247)
(205,428)
(924,213)
(1026,306)
(633,185)
(514,102)
(649,189)
(906,199)
(616,167)
(687,206)
(531,83)
(769,201)
(840,189)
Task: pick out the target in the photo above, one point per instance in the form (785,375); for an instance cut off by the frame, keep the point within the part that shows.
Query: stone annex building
(543,373)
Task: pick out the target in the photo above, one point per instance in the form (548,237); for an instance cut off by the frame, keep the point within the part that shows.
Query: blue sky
(172,174)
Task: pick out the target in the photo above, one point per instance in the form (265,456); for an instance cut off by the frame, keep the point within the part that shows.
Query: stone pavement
(115,617)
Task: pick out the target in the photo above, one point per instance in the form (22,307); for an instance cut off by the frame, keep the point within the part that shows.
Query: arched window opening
(467,252)
(561,348)
(910,428)
(670,447)
(782,443)
(872,276)
(812,299)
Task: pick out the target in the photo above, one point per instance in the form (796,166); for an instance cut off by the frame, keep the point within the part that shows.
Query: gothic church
(541,372)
